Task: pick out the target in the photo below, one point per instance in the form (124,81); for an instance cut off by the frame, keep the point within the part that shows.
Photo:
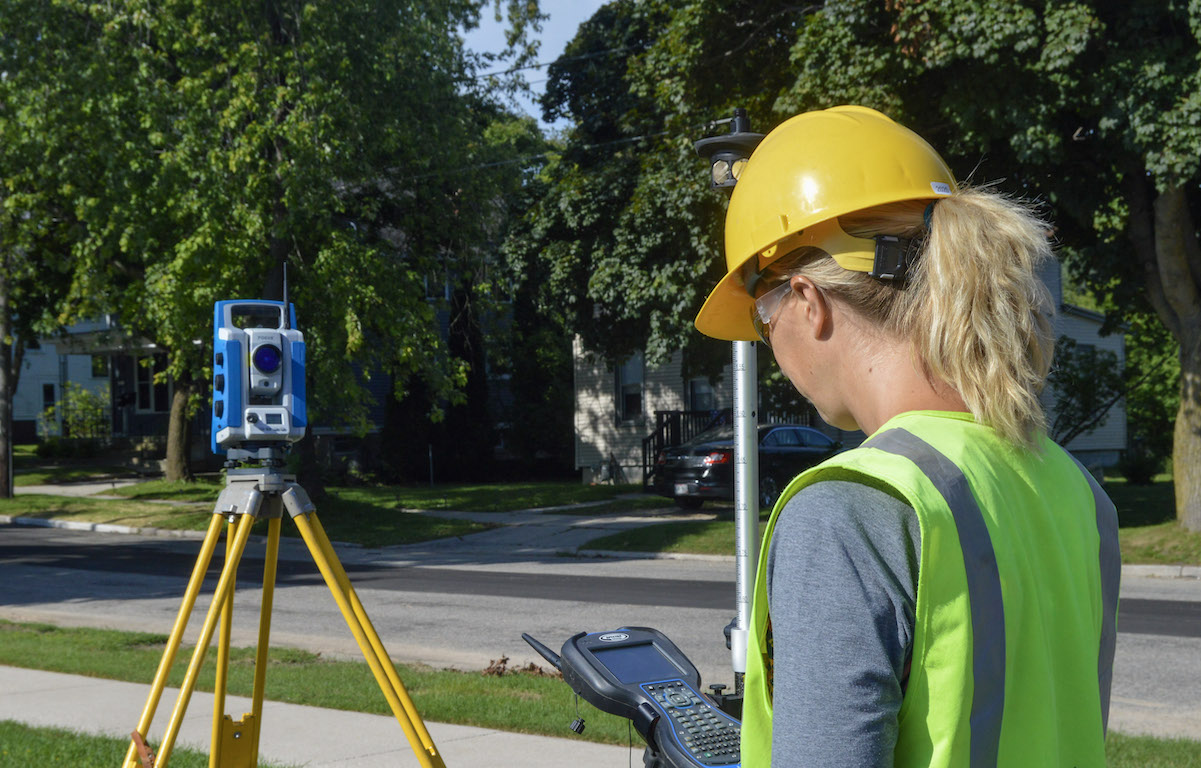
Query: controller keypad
(711,738)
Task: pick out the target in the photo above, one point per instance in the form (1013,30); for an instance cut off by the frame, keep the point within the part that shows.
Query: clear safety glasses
(766,307)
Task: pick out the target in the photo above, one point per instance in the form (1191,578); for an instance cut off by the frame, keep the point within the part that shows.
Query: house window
(700,395)
(152,397)
(629,388)
(99,366)
(48,398)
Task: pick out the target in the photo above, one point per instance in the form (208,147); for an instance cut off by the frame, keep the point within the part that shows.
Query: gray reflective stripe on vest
(1111,578)
(983,586)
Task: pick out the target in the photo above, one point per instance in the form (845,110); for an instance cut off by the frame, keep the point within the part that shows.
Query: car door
(814,445)
(778,451)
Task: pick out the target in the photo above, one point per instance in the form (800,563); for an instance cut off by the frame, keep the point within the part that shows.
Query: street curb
(1163,571)
(166,533)
(597,554)
(75,525)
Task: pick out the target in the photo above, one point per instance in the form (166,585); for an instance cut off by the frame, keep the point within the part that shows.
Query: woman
(945,594)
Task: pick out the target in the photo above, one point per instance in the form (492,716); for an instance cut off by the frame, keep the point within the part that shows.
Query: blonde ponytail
(974,308)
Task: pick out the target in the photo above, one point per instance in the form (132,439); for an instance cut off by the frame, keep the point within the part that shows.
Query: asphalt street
(463,605)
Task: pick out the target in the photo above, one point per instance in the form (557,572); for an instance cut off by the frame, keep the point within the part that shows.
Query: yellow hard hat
(810,170)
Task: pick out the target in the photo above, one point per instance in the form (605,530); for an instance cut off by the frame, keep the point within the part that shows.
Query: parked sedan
(703,468)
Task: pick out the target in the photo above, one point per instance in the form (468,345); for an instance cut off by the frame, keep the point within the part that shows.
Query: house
(623,413)
(99,357)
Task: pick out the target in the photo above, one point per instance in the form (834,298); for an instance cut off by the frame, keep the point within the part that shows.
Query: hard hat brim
(727,311)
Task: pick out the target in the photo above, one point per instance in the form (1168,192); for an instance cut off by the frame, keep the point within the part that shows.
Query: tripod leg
(426,753)
(221,675)
(225,583)
(373,637)
(181,622)
(260,659)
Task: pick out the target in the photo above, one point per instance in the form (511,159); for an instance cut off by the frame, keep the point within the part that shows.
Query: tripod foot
(145,753)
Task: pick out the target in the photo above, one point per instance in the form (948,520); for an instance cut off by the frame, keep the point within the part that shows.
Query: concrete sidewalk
(291,734)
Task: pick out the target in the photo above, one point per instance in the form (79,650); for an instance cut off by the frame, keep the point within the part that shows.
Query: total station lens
(267,358)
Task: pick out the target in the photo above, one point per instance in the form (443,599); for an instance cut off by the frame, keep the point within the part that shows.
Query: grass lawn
(1148,530)
(138,514)
(22,745)
(45,475)
(461,497)
(522,702)
(30,469)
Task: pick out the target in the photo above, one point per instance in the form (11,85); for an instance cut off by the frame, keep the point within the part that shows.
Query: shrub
(1140,466)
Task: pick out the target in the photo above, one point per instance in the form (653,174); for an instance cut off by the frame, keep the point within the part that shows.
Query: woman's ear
(813,308)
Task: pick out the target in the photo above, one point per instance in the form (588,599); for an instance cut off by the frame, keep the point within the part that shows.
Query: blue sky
(557,31)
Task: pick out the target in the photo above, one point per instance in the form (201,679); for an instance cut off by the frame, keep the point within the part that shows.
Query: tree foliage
(37,222)
(211,144)
(1090,107)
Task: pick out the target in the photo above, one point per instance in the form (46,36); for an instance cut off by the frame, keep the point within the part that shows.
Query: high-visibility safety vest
(1016,598)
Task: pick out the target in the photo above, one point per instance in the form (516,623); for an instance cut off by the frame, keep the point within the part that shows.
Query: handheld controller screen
(636,663)
(258,374)
(638,673)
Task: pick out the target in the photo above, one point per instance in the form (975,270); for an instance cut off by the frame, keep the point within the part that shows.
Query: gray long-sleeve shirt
(842,585)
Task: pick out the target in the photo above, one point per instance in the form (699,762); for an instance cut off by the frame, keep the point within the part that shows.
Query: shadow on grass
(1143,505)
(346,517)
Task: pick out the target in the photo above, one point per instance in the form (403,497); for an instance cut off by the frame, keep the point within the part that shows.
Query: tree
(36,222)
(1090,107)
(625,232)
(225,141)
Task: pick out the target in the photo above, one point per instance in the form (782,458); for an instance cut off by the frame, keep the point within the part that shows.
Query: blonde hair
(974,308)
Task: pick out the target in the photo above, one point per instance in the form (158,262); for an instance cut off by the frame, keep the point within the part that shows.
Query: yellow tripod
(248,495)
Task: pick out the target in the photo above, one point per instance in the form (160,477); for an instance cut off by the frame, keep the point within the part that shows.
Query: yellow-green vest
(1016,598)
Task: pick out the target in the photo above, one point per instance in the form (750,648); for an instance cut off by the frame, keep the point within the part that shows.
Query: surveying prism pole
(728,155)
(746,499)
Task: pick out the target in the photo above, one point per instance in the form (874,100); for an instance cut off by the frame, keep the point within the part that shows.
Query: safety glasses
(766,307)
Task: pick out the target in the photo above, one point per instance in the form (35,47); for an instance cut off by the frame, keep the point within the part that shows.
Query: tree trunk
(1173,277)
(8,387)
(6,421)
(178,443)
(1186,448)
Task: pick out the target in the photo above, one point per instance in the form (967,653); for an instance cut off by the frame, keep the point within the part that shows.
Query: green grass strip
(1123,751)
(515,701)
(462,497)
(25,745)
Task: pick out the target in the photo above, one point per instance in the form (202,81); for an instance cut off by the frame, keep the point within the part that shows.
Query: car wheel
(689,502)
(768,492)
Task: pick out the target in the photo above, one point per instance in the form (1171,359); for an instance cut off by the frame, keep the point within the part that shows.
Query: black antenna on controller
(543,651)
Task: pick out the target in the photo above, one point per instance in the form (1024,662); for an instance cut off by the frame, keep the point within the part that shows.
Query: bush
(1140,466)
(80,413)
(68,448)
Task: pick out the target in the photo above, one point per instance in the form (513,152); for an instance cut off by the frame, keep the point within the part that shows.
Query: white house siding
(1102,446)
(44,367)
(600,436)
